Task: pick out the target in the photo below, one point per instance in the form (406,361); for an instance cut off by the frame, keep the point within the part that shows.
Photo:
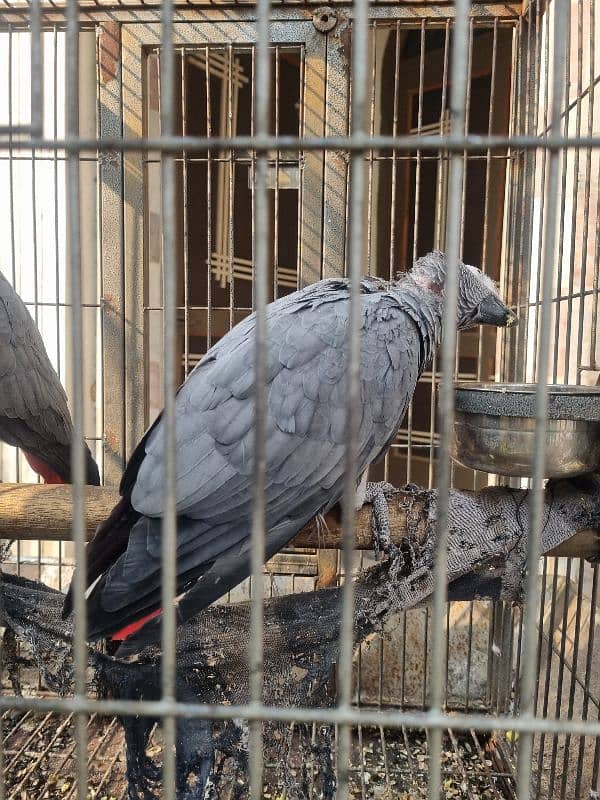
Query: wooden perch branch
(38,511)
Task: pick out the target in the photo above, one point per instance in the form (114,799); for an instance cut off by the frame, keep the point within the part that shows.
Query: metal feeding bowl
(494,429)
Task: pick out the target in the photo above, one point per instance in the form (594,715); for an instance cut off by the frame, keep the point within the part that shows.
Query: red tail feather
(133,626)
(42,469)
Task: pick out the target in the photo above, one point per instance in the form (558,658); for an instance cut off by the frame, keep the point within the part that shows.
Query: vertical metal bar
(514,173)
(458,101)
(439,234)
(596,287)
(2,749)
(574,676)
(486,203)
(541,619)
(358,108)
(34,243)
(11,176)
(56,239)
(386,766)
(403,662)
(588,174)
(529,677)
(589,671)
(491,663)
(544,107)
(463,201)
(596,765)
(575,195)
(169,523)
(530,113)
(380,670)
(511,657)
(231,164)
(261,257)
(516,170)
(439,243)
(596,282)
(551,623)
(186,259)
(550,634)
(118,266)
(392,263)
(409,415)
(488,169)
(418,153)
(11,183)
(426,626)
(277,167)
(37,73)
(99,449)
(34,252)
(447,654)
(300,206)
(359,731)
(77,455)
(371,155)
(208,203)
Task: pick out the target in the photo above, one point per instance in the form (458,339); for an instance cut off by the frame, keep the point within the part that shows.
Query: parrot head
(479,302)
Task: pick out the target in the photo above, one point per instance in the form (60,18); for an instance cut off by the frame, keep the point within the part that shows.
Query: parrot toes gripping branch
(377,495)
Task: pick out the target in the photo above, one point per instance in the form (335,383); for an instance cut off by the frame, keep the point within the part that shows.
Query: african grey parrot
(34,414)
(305,438)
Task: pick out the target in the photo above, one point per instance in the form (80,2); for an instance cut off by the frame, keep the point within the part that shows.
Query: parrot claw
(377,494)
(515,572)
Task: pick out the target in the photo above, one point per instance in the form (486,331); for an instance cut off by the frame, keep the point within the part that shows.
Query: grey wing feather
(28,383)
(305,443)
(34,414)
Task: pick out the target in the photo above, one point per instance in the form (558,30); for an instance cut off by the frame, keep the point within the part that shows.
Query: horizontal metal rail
(332,716)
(260,144)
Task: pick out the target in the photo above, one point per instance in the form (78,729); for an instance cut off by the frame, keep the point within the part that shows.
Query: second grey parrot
(307,391)
(34,414)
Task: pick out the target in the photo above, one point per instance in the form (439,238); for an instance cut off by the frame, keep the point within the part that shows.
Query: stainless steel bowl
(494,429)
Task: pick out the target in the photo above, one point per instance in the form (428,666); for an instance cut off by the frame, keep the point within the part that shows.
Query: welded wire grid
(482,89)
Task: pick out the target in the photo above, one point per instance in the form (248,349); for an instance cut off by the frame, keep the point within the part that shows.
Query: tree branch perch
(39,511)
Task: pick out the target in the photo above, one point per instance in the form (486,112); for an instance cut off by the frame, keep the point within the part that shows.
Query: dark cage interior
(520,683)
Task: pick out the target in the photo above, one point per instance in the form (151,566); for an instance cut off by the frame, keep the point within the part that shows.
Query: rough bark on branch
(38,511)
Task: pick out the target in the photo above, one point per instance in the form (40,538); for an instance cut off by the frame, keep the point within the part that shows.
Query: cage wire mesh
(124,238)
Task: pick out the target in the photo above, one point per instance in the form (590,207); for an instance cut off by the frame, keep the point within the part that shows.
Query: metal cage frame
(271,24)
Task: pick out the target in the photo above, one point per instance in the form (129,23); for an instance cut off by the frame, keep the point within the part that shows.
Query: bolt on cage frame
(527,142)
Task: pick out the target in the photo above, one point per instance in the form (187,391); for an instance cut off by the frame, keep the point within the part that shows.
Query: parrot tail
(44,470)
(119,636)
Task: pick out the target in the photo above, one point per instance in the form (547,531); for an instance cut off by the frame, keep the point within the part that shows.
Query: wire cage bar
(170,168)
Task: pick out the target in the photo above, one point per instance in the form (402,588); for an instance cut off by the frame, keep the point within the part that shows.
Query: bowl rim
(560,389)
(567,402)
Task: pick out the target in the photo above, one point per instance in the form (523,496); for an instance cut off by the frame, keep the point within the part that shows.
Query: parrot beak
(492,311)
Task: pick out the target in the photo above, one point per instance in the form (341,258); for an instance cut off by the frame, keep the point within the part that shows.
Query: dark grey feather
(306,434)
(34,413)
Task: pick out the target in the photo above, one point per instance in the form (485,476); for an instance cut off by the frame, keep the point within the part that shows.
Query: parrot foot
(515,571)
(378,494)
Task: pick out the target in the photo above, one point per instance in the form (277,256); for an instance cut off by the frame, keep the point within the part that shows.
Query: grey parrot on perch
(34,414)
(307,391)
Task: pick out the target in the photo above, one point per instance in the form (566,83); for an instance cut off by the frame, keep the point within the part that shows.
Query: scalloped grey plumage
(34,414)
(307,363)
